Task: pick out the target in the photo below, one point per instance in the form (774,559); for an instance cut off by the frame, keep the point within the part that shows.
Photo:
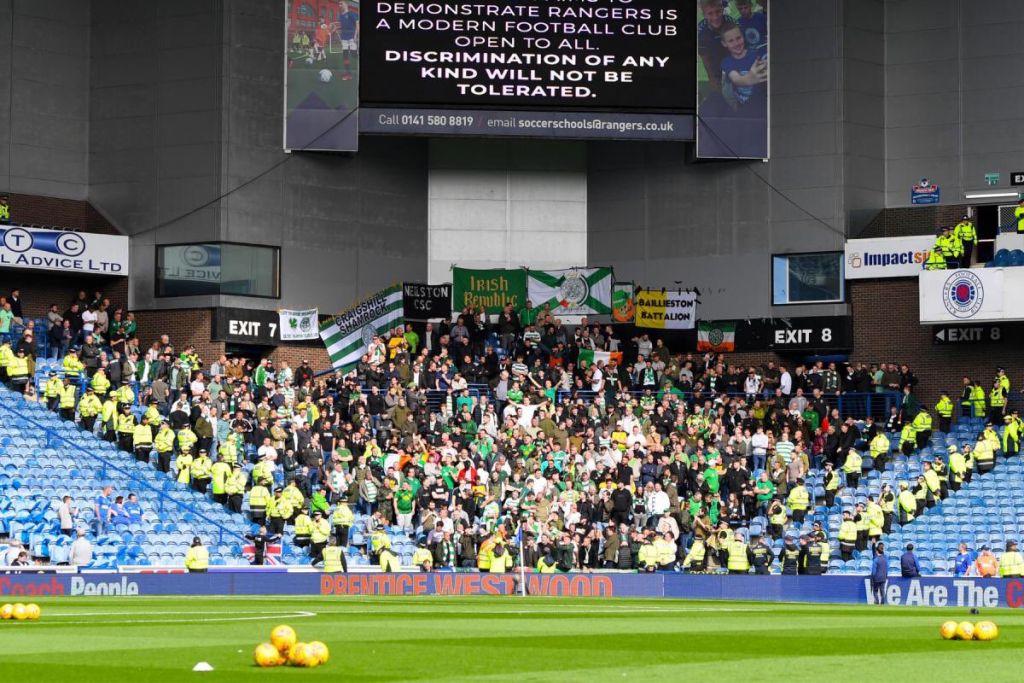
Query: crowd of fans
(486,442)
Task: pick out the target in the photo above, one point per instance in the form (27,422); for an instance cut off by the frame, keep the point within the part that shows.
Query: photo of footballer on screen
(732,78)
(322,75)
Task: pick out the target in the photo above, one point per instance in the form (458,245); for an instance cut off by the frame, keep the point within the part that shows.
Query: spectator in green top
(6,317)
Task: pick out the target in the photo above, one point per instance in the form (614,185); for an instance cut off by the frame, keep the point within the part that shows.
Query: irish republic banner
(719,337)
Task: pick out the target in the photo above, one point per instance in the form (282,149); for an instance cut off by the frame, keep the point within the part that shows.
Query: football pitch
(441,638)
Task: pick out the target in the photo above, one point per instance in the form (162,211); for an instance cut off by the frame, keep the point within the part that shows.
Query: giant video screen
(619,69)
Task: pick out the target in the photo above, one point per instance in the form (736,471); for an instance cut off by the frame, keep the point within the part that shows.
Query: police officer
(996,402)
(943,473)
(887,502)
(799,500)
(202,470)
(648,556)
(1018,213)
(944,409)
(163,442)
(789,557)
(922,427)
(234,487)
(847,537)
(907,504)
(984,456)
(68,393)
(259,497)
(342,519)
(879,449)
(957,468)
(52,392)
(142,440)
(968,236)
(908,439)
(88,408)
(831,480)
(1011,437)
(125,429)
(183,466)
(303,529)
(320,532)
(852,468)
(777,517)
(666,546)
(761,555)
(933,484)
(740,556)
(860,522)
(810,556)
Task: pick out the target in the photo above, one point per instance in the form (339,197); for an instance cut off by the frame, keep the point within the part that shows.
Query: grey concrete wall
(155,137)
(506,204)
(660,218)
(954,94)
(44,97)
(347,225)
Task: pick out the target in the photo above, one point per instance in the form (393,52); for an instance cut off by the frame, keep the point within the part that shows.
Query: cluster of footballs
(965,630)
(284,648)
(20,612)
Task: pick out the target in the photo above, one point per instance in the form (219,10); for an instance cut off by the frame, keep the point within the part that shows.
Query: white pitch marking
(275,615)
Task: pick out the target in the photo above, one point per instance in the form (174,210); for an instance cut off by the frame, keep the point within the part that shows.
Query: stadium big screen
(533,68)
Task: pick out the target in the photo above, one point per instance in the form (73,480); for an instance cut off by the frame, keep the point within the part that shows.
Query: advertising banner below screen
(530,124)
(321,81)
(887,257)
(732,79)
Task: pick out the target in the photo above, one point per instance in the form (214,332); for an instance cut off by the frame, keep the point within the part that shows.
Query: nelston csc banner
(666,310)
(490,289)
(577,291)
(347,336)
(426,302)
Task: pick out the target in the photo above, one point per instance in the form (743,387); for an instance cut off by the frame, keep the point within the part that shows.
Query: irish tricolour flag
(588,357)
(719,337)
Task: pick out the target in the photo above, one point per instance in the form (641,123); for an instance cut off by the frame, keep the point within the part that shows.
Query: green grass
(128,640)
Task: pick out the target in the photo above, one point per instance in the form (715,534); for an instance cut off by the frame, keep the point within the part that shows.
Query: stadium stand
(438,462)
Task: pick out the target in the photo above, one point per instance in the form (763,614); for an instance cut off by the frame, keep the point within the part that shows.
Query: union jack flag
(272,557)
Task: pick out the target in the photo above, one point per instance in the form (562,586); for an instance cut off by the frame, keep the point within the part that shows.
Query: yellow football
(33,611)
(283,637)
(320,651)
(965,631)
(302,655)
(948,630)
(986,630)
(266,655)
(19,613)
(7,611)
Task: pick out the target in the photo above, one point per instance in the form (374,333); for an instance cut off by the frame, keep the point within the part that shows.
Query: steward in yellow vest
(197,559)
(740,556)
(1011,437)
(183,465)
(88,408)
(922,428)
(186,439)
(879,449)
(303,529)
(907,504)
(234,487)
(944,409)
(320,531)
(219,473)
(847,537)
(333,559)
(1011,564)
(342,519)
(259,497)
(68,394)
(202,471)
(164,444)
(852,468)
(501,559)
(423,558)
(142,440)
(52,391)
(125,429)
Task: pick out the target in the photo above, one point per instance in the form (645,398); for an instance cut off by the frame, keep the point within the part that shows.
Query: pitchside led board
(600,69)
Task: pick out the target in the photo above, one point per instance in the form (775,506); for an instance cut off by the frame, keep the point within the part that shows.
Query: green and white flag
(577,291)
(347,336)
(298,325)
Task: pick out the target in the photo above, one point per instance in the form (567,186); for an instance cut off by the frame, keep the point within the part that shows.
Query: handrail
(52,435)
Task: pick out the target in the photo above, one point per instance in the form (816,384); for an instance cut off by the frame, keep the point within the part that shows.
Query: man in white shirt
(785,381)
(81,551)
(759,448)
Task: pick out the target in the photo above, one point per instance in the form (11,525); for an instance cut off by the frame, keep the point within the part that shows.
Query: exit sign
(992,179)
